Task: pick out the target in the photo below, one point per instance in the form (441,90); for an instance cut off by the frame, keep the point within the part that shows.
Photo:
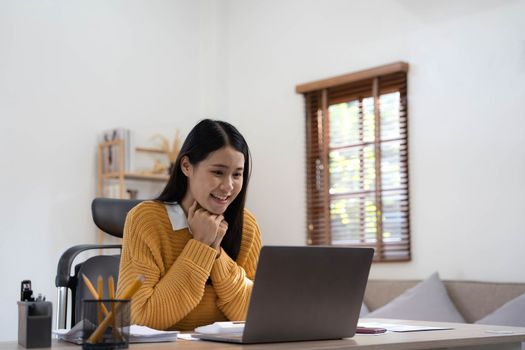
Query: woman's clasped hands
(206,227)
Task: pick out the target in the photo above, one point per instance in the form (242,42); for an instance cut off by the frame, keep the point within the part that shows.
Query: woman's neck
(186,203)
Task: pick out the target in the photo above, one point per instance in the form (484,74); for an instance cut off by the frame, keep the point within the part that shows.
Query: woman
(196,245)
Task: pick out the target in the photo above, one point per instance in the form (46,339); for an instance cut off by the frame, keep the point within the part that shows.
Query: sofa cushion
(364,310)
(427,301)
(510,314)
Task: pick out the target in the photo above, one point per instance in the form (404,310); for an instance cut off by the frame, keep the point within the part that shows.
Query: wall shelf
(149,177)
(149,150)
(137,176)
(115,171)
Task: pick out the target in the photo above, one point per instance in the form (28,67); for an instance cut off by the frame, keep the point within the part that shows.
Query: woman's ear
(186,166)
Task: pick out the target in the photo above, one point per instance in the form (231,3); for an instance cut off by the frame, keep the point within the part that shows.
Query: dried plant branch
(172,152)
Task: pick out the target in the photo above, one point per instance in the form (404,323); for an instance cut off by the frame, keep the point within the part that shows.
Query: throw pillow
(364,310)
(510,314)
(427,301)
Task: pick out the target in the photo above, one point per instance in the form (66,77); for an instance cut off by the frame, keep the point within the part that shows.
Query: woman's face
(215,181)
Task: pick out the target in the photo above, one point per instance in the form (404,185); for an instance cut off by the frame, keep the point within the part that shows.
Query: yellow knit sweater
(175,294)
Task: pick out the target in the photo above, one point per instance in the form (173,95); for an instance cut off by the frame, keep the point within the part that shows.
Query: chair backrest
(109,215)
(102,266)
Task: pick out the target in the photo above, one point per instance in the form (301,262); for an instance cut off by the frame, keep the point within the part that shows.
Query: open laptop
(304,293)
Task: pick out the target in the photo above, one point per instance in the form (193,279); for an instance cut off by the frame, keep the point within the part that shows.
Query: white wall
(466,119)
(69,69)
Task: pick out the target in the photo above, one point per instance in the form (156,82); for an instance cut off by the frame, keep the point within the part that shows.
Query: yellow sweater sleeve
(169,293)
(232,282)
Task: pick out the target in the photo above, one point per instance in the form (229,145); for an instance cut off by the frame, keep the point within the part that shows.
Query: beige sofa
(474,300)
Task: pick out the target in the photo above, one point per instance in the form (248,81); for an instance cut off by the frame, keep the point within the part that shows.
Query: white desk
(462,337)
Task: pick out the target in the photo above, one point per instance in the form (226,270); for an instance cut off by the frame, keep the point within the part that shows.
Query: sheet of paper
(137,334)
(228,327)
(187,336)
(143,334)
(393,327)
(143,331)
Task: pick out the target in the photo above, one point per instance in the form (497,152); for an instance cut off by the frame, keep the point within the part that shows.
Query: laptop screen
(307,293)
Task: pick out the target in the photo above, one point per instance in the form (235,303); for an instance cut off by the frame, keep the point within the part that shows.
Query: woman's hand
(223,227)
(203,225)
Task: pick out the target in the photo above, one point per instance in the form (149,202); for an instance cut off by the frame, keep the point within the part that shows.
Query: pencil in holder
(106,324)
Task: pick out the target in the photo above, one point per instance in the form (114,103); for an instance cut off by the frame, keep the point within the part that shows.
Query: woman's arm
(233,282)
(168,293)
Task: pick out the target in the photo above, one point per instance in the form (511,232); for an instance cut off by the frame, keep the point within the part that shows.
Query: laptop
(304,293)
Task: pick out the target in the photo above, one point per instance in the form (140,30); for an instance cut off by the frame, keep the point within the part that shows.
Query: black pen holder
(34,323)
(105,324)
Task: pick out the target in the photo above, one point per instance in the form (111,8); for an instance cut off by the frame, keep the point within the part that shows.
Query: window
(357,161)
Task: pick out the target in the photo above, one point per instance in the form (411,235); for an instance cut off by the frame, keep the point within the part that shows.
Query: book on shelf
(111,154)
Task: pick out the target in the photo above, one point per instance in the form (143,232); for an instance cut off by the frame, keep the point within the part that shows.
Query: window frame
(319,95)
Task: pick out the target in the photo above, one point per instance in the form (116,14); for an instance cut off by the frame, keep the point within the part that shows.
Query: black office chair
(109,215)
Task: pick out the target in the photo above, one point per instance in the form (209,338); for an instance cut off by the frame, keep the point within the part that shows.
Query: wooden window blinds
(357,161)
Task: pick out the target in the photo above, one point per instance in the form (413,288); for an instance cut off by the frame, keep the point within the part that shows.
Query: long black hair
(206,137)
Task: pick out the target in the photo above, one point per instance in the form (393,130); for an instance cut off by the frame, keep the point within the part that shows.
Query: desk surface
(465,336)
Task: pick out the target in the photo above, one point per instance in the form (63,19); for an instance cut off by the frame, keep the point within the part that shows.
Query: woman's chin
(217,211)
(215,208)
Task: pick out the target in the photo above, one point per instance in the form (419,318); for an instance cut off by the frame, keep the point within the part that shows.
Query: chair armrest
(62,278)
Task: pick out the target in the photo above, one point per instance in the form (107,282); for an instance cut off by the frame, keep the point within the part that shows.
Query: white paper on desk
(73,335)
(143,334)
(225,327)
(188,336)
(393,327)
(137,334)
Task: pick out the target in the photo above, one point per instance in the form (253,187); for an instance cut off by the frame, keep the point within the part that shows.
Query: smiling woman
(196,244)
